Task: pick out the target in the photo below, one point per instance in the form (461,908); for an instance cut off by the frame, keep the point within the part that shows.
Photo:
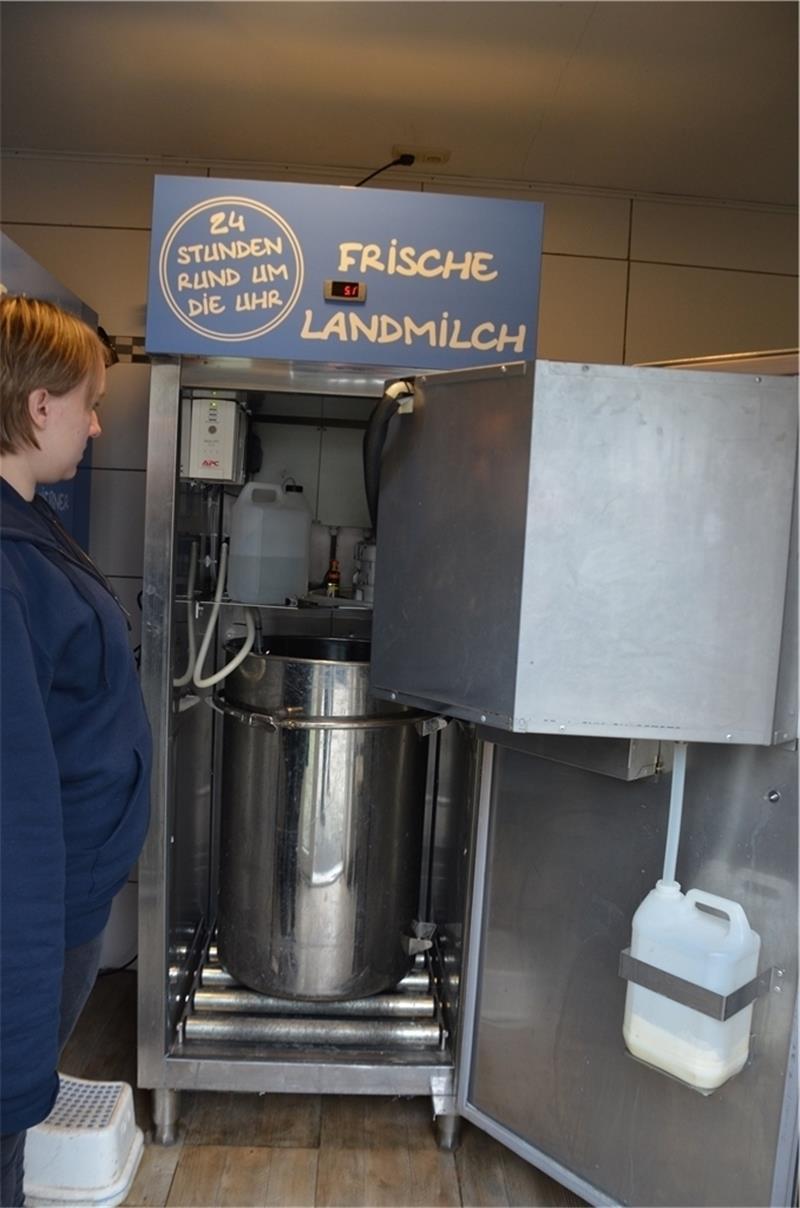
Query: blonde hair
(41,347)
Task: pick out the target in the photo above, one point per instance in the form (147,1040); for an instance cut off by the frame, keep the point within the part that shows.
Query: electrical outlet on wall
(426,157)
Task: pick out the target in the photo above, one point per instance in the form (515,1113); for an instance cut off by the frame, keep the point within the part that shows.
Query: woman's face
(72,422)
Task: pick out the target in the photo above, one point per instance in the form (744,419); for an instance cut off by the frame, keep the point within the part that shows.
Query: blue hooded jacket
(75,753)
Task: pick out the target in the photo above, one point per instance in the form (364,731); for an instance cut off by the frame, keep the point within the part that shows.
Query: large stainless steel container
(322,811)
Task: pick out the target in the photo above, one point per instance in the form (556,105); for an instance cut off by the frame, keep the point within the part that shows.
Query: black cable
(374,440)
(405,160)
(118,968)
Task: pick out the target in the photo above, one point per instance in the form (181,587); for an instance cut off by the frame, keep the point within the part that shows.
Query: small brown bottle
(333,578)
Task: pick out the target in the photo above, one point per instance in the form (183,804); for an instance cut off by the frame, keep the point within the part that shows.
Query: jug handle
(267,486)
(739,928)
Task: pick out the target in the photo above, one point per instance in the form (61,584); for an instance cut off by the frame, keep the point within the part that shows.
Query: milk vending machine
(441,643)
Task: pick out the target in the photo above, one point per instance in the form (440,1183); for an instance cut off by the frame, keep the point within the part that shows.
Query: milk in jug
(718,951)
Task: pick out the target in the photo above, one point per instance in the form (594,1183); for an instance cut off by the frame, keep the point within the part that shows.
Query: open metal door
(566,556)
(563,857)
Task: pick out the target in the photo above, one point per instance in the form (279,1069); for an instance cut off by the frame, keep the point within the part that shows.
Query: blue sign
(343,275)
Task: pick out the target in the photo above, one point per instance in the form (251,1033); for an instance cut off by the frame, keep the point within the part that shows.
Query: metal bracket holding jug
(689,994)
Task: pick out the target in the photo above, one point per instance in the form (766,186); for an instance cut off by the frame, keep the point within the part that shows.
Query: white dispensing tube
(247,645)
(675,812)
(182,680)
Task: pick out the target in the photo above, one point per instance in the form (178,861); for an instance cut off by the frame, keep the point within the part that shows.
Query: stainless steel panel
(241,373)
(232,1066)
(451,534)
(321,825)
(623,758)
(654,584)
(785,725)
(569,856)
(155,860)
(456,781)
(603,553)
(190,818)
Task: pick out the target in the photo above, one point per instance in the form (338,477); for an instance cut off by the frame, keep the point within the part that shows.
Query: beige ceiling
(689,99)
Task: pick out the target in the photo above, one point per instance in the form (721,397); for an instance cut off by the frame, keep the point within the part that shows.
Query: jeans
(80,971)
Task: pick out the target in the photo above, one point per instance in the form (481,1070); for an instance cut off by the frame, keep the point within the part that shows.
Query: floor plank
(154,1177)
(342,1121)
(434,1181)
(399,1122)
(293,1121)
(198,1176)
(108,1017)
(387,1176)
(245,1177)
(479,1163)
(341,1179)
(228,1118)
(528,1187)
(292,1178)
(224,1118)
(376,1122)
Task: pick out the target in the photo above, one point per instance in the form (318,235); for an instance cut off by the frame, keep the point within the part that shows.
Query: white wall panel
(107,269)
(715,237)
(342,497)
(116,530)
(291,451)
(574,225)
(391,179)
(123,414)
(582,310)
(78,193)
(686,312)
(586,226)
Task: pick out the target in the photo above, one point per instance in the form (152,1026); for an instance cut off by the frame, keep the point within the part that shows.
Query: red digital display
(346,291)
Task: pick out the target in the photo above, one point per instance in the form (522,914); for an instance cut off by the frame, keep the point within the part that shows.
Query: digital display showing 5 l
(345,291)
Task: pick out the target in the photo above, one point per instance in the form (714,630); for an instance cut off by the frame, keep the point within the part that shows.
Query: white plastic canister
(269,545)
(718,951)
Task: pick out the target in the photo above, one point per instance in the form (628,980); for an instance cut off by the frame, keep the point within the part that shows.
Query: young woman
(74,738)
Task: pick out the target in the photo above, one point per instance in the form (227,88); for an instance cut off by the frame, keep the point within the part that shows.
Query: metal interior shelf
(313,603)
(404,1025)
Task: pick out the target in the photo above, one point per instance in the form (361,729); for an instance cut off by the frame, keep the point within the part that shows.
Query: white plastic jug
(717,951)
(269,546)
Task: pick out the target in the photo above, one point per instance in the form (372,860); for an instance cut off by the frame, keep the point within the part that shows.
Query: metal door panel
(569,550)
(568,856)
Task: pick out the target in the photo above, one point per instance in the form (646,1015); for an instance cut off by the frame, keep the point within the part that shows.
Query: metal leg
(448,1132)
(166,1104)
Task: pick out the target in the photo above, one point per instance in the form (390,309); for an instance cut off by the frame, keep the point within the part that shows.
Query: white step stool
(88,1149)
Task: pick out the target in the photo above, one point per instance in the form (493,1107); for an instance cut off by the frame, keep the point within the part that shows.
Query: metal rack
(408,1017)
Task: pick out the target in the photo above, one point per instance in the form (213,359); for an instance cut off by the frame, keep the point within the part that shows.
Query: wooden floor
(297,1149)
